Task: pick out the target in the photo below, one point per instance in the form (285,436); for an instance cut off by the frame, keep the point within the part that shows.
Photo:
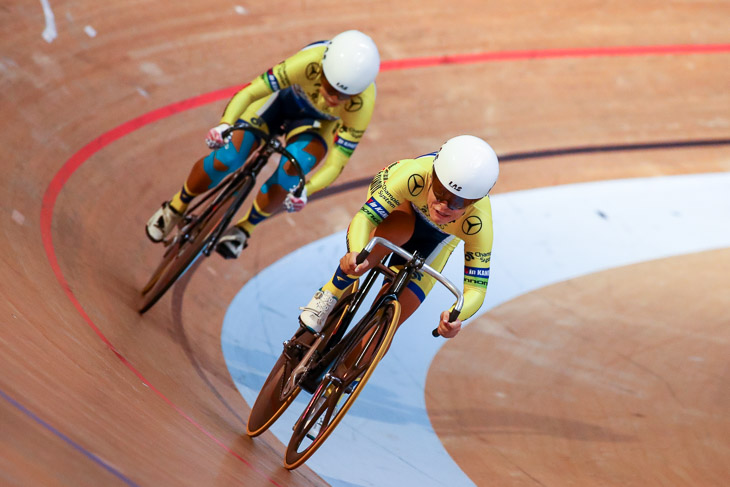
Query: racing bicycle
(203,224)
(336,363)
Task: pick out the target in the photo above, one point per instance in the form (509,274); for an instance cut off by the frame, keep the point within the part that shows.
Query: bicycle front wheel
(366,345)
(190,241)
(281,387)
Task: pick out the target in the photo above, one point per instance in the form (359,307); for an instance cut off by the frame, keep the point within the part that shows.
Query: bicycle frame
(392,291)
(347,362)
(270,145)
(198,234)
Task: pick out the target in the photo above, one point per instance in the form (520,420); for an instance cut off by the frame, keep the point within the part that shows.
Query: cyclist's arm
(332,167)
(345,141)
(290,71)
(256,90)
(358,233)
(388,189)
(473,298)
(477,262)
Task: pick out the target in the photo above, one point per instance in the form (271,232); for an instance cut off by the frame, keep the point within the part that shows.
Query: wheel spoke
(367,342)
(186,247)
(297,356)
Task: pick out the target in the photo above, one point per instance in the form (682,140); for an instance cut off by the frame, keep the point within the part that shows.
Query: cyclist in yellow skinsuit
(428,204)
(321,100)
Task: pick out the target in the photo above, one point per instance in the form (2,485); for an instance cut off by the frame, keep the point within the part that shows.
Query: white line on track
(49,33)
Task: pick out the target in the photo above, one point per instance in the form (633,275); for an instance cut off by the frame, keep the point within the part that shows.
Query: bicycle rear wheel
(342,384)
(189,243)
(280,388)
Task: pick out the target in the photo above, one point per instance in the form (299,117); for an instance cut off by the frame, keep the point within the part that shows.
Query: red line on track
(85,153)
(49,202)
(552,54)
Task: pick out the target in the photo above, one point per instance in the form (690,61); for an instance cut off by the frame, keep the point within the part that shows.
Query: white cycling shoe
(314,315)
(162,222)
(232,243)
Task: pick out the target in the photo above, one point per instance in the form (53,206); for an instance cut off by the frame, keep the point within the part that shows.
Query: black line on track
(546,153)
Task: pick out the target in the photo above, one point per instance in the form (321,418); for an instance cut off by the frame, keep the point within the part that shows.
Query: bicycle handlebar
(454,314)
(274,145)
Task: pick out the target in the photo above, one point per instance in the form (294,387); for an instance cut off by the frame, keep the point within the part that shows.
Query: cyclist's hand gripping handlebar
(454,314)
(218,136)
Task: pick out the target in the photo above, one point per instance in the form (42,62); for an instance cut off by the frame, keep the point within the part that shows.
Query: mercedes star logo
(415,184)
(312,71)
(354,104)
(472,225)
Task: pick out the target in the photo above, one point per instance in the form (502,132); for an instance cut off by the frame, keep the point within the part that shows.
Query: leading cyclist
(321,99)
(428,204)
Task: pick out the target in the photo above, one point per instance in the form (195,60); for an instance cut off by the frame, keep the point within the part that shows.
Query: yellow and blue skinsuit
(286,100)
(408,181)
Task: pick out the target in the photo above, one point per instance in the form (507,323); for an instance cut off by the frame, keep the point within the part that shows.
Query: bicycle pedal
(169,241)
(313,333)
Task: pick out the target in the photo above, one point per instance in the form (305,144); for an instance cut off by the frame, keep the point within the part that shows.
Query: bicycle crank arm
(300,370)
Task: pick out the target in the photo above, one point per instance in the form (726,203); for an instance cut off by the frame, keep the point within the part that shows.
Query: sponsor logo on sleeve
(273,83)
(373,204)
(481,272)
(484,257)
(415,184)
(346,143)
(476,276)
(346,146)
(283,75)
(354,104)
(472,225)
(356,133)
(312,71)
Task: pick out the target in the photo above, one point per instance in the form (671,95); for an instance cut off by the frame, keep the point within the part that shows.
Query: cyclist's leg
(436,249)
(398,227)
(206,173)
(418,288)
(309,149)
(210,170)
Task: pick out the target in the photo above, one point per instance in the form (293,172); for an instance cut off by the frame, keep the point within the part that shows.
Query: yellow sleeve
(473,300)
(358,233)
(330,170)
(290,71)
(355,116)
(256,90)
(388,189)
(477,256)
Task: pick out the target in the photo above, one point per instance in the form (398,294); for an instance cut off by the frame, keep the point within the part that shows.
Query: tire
(274,398)
(183,252)
(332,399)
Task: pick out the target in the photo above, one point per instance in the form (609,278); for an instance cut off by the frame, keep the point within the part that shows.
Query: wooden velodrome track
(94,394)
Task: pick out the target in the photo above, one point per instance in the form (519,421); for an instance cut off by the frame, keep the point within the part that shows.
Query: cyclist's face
(331,96)
(443,205)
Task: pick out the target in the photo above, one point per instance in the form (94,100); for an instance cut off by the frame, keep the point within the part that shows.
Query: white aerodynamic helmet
(467,166)
(351,62)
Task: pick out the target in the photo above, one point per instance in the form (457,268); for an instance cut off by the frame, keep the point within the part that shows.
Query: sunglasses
(445,196)
(332,91)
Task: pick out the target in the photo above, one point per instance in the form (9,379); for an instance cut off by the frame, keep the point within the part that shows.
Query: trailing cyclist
(321,100)
(428,204)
